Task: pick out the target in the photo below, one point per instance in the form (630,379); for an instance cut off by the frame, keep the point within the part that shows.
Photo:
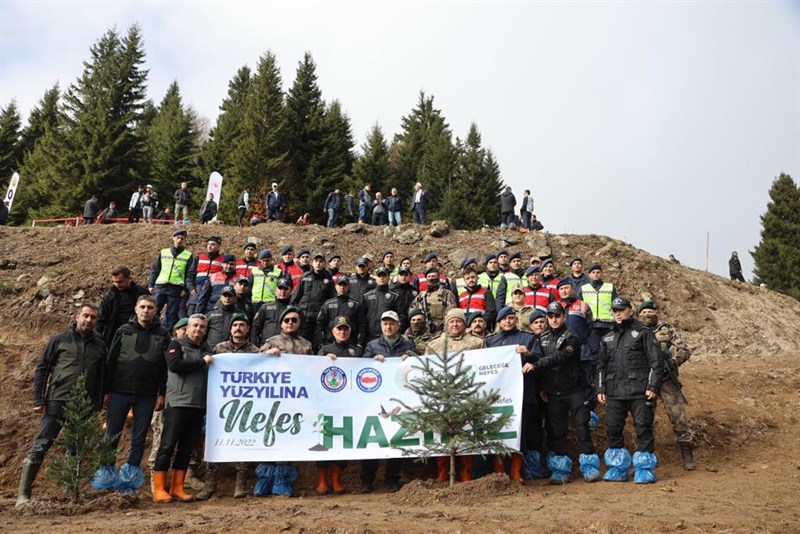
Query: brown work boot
(336,480)
(466,468)
(160,493)
(687,456)
(442,469)
(176,490)
(210,485)
(322,481)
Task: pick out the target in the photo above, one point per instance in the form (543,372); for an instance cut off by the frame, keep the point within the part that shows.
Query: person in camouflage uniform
(238,342)
(676,353)
(522,310)
(435,301)
(289,340)
(456,338)
(418,333)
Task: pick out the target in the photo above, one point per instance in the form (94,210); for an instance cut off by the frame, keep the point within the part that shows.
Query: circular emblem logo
(368,380)
(333,379)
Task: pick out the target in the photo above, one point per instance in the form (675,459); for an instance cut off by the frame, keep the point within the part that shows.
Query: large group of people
(146,349)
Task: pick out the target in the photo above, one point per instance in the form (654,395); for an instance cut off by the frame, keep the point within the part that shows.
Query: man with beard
(211,290)
(406,293)
(493,280)
(288,266)
(206,263)
(418,332)
(435,301)
(119,303)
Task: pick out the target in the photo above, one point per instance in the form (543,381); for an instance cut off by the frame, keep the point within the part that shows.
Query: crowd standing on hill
(146,349)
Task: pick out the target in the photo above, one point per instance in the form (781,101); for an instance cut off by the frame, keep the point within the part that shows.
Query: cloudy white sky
(652,122)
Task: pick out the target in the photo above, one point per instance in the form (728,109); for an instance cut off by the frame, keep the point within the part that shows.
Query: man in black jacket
(628,380)
(68,355)
(267,322)
(332,309)
(118,304)
(563,380)
(406,293)
(376,303)
(315,287)
(361,282)
(136,379)
(735,267)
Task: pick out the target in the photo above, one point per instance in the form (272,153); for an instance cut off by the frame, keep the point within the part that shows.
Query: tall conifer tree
(373,164)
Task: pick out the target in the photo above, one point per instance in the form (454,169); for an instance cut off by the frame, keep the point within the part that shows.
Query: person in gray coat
(507,204)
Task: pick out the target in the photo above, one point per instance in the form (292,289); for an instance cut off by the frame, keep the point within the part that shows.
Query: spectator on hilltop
(350,207)
(242,205)
(90,210)
(735,267)
(110,214)
(379,210)
(135,205)
(507,204)
(364,203)
(274,203)
(4,213)
(164,216)
(535,224)
(526,209)
(149,203)
(394,205)
(183,197)
(332,205)
(305,220)
(419,205)
(208,210)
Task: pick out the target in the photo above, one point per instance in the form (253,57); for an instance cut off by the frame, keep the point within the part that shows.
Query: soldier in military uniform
(418,333)
(289,340)
(435,301)
(676,353)
(341,347)
(476,324)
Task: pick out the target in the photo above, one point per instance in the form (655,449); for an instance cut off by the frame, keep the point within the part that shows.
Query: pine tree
(43,116)
(333,161)
(82,446)
(777,256)
(10,142)
(373,165)
(171,144)
(453,405)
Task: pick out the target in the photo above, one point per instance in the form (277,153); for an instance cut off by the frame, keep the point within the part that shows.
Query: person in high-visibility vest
(598,295)
(171,276)
(264,280)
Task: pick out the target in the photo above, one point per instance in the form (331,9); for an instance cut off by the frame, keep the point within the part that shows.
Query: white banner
(12,190)
(308,408)
(214,186)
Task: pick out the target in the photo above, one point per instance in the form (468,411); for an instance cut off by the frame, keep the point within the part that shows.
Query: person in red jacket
(289,268)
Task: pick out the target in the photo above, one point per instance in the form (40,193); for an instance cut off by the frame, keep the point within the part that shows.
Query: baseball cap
(620,303)
(284,282)
(390,315)
(556,308)
(341,321)
(228,290)
(381,271)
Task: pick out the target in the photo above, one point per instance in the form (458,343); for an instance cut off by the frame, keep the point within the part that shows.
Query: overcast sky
(652,122)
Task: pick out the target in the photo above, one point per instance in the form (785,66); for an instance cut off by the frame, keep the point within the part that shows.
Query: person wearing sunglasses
(289,340)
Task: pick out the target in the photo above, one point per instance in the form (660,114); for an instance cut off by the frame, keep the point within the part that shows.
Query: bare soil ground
(743,383)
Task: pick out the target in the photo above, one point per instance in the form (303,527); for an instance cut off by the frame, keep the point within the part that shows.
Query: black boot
(687,456)
(29,471)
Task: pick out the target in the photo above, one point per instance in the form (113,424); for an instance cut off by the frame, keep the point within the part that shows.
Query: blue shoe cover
(590,467)
(265,473)
(131,478)
(619,462)
(594,420)
(532,465)
(560,469)
(105,478)
(284,476)
(644,465)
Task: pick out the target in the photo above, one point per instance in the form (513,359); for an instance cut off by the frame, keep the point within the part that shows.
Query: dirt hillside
(743,383)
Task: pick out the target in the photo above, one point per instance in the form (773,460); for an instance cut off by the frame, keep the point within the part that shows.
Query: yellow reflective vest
(173,268)
(264,284)
(599,301)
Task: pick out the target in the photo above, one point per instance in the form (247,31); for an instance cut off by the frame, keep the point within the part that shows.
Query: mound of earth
(743,384)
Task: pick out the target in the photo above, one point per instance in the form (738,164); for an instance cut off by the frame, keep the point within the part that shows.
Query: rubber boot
(465,472)
(176,490)
(619,463)
(29,471)
(209,486)
(515,473)
(644,465)
(322,481)
(589,465)
(687,456)
(336,479)
(192,482)
(240,492)
(498,464)
(160,493)
(560,469)
(442,469)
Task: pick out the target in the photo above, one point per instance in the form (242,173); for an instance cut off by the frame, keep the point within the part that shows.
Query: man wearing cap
(289,340)
(675,353)
(536,294)
(508,334)
(264,280)
(406,293)
(598,295)
(361,282)
(135,380)
(274,203)
(418,332)
(563,381)
(549,278)
(476,324)
(475,298)
(521,308)
(514,276)
(430,261)
(205,264)
(314,289)
(390,344)
(376,302)
(209,292)
(171,276)
(288,267)
(577,276)
(219,318)
(119,303)
(332,204)
(246,264)
(493,280)
(419,205)
(334,262)
(238,343)
(435,301)
(267,321)
(388,261)
(503,261)
(304,260)
(458,283)
(340,305)
(243,304)
(579,321)
(340,346)
(629,374)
